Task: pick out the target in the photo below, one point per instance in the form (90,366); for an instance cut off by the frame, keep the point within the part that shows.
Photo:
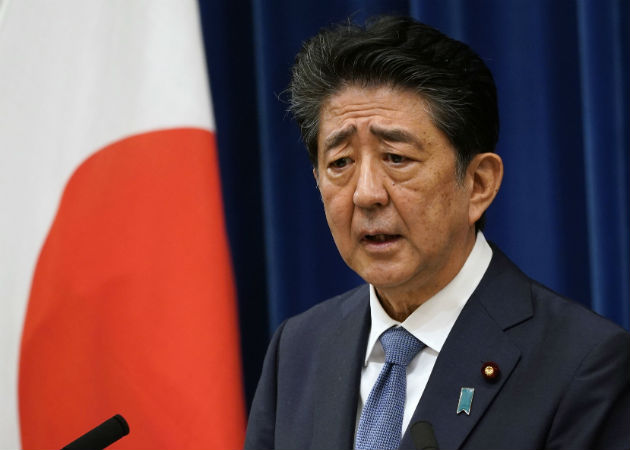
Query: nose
(370,189)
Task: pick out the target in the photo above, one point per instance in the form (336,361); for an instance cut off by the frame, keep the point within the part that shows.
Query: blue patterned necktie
(380,425)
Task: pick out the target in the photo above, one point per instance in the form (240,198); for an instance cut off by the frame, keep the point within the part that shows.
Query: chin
(384,273)
(385,280)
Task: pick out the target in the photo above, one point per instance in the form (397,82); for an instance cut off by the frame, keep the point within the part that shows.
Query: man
(400,123)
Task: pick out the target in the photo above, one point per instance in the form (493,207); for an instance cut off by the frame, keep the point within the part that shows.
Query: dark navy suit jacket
(564,374)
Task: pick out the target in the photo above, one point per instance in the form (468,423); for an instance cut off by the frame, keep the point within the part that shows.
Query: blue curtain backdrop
(561,69)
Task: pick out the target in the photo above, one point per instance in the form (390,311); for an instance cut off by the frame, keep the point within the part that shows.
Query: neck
(400,301)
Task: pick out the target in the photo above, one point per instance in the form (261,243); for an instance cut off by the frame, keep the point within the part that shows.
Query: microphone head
(103,435)
(124,426)
(423,436)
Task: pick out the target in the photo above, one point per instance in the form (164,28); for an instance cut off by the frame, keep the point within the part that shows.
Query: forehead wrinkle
(395,135)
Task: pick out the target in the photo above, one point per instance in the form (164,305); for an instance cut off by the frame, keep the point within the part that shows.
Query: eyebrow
(338,137)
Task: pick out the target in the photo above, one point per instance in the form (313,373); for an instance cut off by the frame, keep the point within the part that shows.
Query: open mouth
(381,238)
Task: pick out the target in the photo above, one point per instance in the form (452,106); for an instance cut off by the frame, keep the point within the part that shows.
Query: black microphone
(423,436)
(100,437)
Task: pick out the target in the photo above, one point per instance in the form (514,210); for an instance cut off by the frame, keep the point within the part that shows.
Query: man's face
(387,177)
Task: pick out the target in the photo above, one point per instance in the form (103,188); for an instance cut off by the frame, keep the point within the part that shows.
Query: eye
(339,163)
(395,158)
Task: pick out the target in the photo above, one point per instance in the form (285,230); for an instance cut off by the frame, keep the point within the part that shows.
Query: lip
(379,241)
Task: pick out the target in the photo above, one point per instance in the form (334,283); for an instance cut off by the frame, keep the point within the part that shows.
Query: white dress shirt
(431,323)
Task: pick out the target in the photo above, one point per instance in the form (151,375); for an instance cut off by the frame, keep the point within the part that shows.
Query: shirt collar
(432,321)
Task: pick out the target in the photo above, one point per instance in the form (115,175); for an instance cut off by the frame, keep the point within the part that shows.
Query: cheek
(338,211)
(338,219)
(428,208)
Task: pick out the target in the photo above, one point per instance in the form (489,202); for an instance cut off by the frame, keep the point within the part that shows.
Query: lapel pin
(465,400)
(490,371)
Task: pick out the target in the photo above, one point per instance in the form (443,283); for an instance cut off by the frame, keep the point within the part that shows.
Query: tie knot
(400,346)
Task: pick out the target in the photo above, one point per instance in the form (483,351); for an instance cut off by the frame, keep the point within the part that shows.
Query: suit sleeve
(595,411)
(262,416)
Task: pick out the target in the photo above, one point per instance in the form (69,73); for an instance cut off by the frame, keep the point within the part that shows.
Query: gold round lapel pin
(490,370)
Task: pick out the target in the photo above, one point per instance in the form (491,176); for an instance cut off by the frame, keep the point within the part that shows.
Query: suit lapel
(500,302)
(339,373)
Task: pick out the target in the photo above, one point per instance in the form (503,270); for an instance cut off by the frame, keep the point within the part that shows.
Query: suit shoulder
(557,313)
(566,334)
(325,316)
(329,311)
(569,314)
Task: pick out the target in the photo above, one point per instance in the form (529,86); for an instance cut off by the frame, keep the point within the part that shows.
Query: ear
(486,173)
(316,176)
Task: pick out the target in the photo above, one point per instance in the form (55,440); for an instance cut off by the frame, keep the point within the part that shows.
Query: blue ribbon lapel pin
(465,400)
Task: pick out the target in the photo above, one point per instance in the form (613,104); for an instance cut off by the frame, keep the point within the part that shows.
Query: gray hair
(402,53)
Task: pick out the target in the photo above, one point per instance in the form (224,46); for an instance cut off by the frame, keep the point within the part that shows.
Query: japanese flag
(116,270)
